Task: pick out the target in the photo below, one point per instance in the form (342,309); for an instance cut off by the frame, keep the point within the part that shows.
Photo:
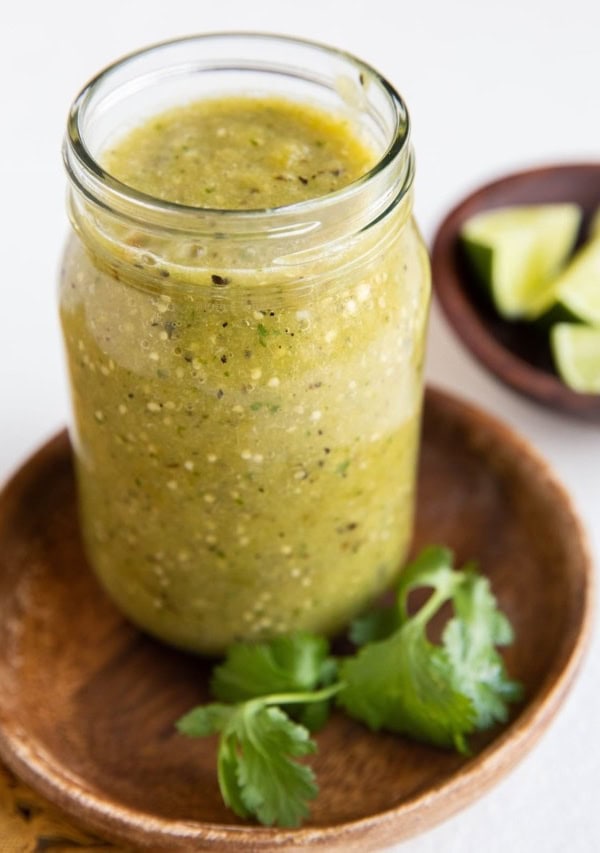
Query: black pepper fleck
(219,280)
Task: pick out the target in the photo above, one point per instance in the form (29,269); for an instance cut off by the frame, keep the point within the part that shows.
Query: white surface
(491,87)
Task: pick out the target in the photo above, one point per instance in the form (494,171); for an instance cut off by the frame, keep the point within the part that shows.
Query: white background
(491,86)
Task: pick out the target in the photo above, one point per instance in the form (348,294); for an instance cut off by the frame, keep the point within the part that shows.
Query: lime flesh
(518,251)
(576,351)
(577,289)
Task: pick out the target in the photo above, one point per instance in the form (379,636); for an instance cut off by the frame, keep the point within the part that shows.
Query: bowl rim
(515,372)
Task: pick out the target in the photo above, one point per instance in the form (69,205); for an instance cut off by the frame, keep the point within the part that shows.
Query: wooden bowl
(518,353)
(88,703)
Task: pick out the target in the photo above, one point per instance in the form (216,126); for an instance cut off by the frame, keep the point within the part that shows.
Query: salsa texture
(245,437)
(240,153)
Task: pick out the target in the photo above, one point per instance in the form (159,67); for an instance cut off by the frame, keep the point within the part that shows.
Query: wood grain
(517,353)
(87,702)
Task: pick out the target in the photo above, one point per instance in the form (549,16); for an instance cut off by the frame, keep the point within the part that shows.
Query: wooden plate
(517,353)
(87,703)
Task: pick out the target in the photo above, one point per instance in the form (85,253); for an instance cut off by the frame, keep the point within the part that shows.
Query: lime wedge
(577,289)
(576,351)
(518,251)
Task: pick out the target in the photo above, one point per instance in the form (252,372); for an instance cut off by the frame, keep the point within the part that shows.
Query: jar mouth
(388,180)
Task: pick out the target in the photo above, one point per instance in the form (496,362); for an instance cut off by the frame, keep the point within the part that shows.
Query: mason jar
(246,384)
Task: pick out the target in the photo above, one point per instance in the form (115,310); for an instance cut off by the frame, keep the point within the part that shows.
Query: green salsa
(245,435)
(240,153)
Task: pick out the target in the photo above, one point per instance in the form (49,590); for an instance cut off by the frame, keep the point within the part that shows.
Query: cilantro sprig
(398,680)
(258,743)
(298,663)
(437,693)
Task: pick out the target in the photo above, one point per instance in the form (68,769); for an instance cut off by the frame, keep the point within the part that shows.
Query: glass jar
(246,385)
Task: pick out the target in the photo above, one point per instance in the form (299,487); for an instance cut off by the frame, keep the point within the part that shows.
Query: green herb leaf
(376,624)
(399,680)
(256,768)
(282,665)
(296,663)
(205,720)
(314,715)
(470,641)
(274,787)
(434,693)
(404,684)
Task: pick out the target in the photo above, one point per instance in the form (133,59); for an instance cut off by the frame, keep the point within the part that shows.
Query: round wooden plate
(517,353)
(87,703)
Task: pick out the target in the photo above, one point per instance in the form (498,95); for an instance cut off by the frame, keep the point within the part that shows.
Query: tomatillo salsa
(245,432)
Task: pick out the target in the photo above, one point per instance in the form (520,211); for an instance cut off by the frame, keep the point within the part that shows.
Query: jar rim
(101,188)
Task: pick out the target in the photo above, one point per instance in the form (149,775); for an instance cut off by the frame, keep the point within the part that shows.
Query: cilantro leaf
(376,624)
(212,719)
(282,665)
(431,568)
(314,715)
(403,684)
(227,774)
(205,720)
(470,641)
(295,663)
(256,771)
(434,693)
(258,743)
(381,622)
(398,680)
(274,787)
